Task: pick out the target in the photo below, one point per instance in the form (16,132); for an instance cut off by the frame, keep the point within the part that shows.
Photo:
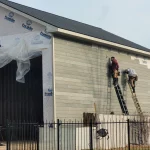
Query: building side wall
(81,79)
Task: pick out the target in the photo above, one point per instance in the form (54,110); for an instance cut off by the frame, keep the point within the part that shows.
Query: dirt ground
(20,146)
(132,147)
(3,147)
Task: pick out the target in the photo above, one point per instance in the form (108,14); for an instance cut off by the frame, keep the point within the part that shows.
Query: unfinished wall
(81,79)
(12,23)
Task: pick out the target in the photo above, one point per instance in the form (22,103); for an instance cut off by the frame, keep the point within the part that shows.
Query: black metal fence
(22,136)
(130,134)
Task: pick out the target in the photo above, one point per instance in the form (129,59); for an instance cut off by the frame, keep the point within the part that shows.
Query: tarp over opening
(22,48)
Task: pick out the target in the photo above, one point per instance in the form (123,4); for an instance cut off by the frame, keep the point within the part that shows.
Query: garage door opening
(26,89)
(21,102)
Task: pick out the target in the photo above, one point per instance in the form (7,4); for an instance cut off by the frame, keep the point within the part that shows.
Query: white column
(48,110)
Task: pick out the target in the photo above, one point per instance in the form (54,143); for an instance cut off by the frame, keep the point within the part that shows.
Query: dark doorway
(21,101)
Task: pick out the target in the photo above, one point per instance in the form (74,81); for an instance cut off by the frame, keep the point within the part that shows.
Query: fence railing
(130,134)
(22,136)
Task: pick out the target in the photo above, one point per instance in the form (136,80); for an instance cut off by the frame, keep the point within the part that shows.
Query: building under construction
(72,73)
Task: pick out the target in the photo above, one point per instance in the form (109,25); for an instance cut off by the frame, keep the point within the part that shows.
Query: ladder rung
(137,105)
(121,100)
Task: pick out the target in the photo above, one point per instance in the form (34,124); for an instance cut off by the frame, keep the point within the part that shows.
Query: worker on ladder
(114,70)
(132,77)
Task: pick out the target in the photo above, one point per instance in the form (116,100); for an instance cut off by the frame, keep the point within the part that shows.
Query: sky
(129,19)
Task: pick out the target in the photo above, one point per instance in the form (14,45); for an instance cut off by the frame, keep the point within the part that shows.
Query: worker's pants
(115,77)
(132,82)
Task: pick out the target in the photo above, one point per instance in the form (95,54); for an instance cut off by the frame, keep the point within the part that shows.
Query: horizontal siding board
(81,79)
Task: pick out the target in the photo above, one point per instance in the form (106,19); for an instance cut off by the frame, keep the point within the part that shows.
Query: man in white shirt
(132,77)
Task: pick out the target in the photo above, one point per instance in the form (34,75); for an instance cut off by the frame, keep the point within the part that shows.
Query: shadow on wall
(123,80)
(108,68)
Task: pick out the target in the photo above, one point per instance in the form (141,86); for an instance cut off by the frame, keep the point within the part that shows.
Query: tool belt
(115,73)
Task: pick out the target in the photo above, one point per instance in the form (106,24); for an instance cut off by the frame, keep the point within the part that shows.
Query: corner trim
(53,67)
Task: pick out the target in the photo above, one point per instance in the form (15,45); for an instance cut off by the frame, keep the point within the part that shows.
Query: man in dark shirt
(114,69)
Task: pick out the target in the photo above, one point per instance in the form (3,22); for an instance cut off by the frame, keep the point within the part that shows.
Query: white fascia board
(104,42)
(49,27)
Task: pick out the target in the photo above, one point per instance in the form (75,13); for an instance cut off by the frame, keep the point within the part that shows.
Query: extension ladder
(121,100)
(136,102)
(139,110)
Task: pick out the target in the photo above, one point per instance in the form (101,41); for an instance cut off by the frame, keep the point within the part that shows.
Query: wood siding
(81,80)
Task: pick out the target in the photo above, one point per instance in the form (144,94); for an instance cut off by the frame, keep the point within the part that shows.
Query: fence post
(57,134)
(128,126)
(8,136)
(91,135)
(38,137)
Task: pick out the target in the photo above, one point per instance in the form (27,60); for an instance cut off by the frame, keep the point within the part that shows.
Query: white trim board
(104,42)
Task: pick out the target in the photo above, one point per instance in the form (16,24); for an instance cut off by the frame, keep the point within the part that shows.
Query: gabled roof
(72,25)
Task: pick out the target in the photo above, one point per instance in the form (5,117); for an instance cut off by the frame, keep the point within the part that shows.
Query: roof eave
(104,42)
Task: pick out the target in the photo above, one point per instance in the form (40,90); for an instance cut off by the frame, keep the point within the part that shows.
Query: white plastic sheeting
(22,48)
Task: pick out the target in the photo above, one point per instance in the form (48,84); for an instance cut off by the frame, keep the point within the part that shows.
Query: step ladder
(135,100)
(121,100)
